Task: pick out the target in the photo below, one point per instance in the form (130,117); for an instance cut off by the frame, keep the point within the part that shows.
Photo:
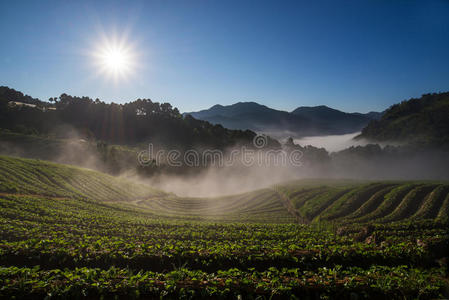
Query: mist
(367,162)
(332,143)
(335,143)
(344,158)
(215,181)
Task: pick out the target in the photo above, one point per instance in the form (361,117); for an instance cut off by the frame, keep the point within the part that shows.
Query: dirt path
(289,206)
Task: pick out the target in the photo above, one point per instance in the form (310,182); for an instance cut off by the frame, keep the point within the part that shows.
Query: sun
(115,58)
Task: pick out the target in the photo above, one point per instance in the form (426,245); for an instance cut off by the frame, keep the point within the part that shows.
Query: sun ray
(115,58)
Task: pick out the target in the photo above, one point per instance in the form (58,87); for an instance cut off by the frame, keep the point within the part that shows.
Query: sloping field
(358,202)
(72,248)
(303,201)
(28,177)
(37,177)
(71,233)
(258,206)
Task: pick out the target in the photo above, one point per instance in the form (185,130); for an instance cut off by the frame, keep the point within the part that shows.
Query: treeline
(7,94)
(112,134)
(107,136)
(422,121)
(140,121)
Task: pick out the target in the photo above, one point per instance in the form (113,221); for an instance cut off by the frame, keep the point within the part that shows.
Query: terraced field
(36,177)
(73,233)
(259,206)
(28,177)
(358,202)
(304,201)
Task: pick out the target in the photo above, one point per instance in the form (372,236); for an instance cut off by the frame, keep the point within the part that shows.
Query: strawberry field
(80,239)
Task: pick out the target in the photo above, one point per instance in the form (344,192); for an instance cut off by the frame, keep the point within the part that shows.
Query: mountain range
(303,121)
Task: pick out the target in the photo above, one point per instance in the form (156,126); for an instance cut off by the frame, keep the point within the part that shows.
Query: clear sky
(351,55)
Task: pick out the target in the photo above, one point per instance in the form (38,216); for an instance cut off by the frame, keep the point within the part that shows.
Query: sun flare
(115,59)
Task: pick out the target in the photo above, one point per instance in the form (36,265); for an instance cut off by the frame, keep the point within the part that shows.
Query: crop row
(376,282)
(71,232)
(358,202)
(26,176)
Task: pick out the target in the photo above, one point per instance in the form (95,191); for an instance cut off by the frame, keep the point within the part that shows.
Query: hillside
(8,94)
(303,121)
(68,232)
(418,121)
(309,200)
(343,121)
(31,177)
(141,121)
(370,201)
(98,155)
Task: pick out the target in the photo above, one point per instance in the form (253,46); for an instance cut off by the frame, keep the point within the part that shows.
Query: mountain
(347,122)
(303,121)
(323,112)
(422,120)
(246,115)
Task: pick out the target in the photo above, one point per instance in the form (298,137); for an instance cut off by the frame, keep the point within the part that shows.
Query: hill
(336,200)
(370,201)
(314,199)
(7,94)
(139,122)
(346,122)
(29,177)
(69,233)
(97,155)
(303,121)
(418,121)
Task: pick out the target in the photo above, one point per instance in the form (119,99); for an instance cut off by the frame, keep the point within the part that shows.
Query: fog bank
(332,143)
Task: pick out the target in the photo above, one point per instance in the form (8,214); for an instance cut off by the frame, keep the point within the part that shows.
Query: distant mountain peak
(317,108)
(248,104)
(245,104)
(304,120)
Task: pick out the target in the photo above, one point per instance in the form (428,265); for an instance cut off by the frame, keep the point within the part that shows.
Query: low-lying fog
(332,143)
(240,177)
(425,164)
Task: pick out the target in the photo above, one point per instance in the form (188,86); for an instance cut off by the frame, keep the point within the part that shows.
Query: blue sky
(351,55)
